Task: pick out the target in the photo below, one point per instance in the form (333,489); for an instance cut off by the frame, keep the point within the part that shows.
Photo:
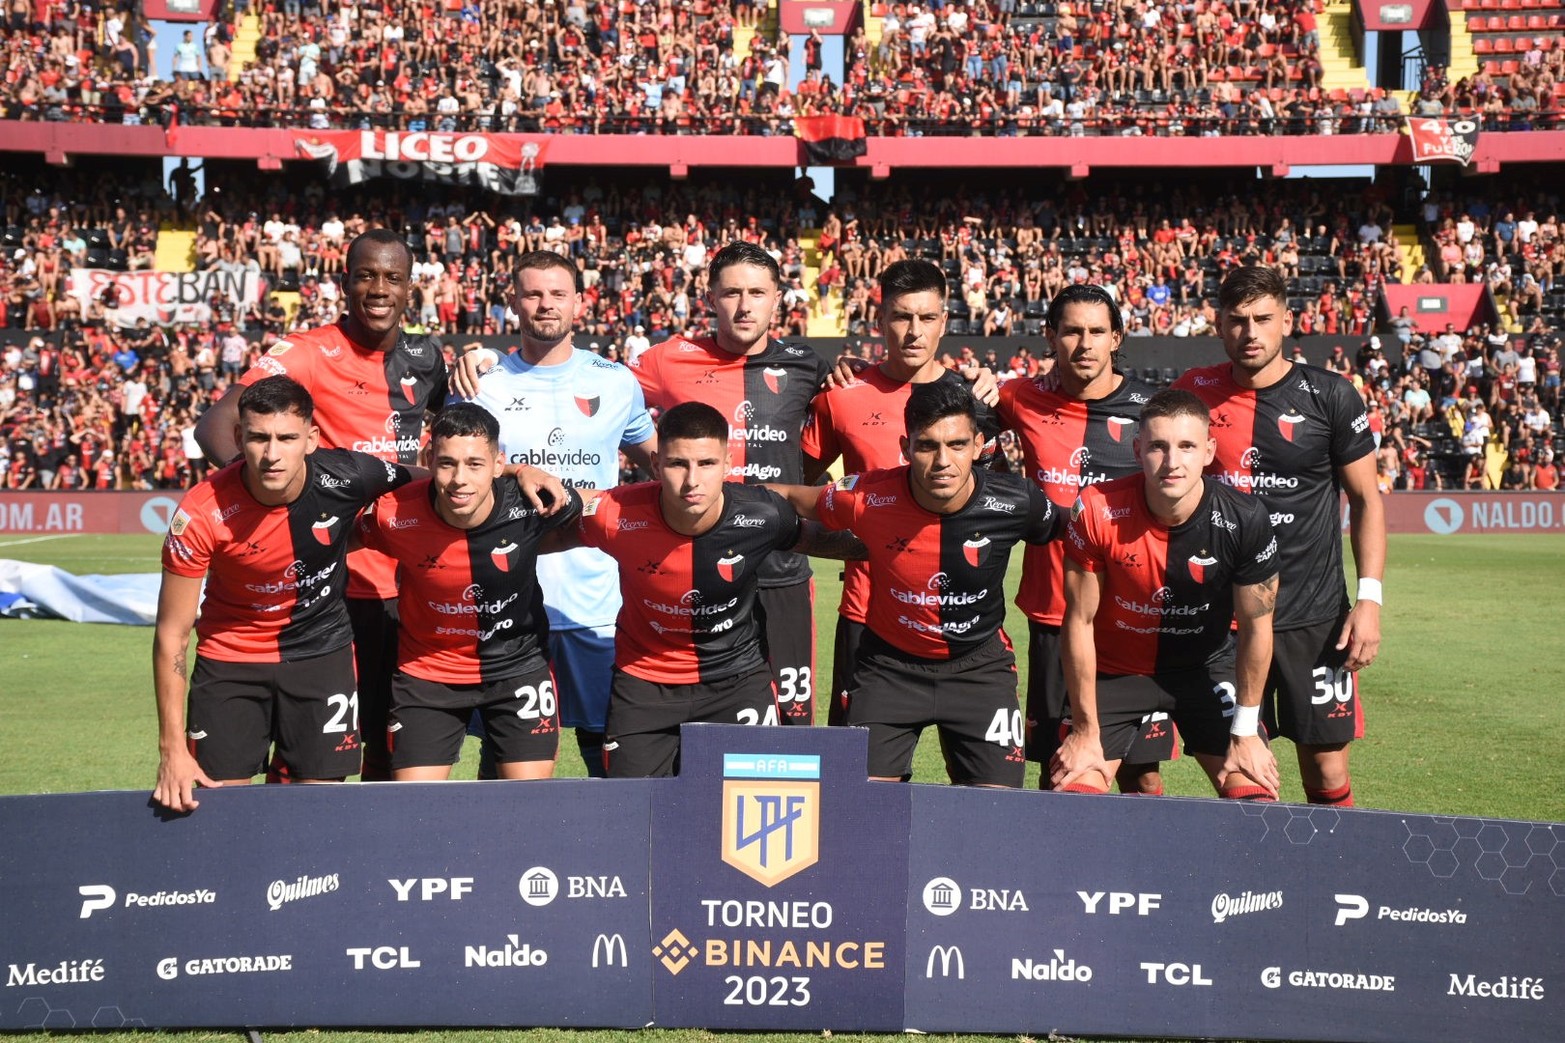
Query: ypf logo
(942,896)
(771,814)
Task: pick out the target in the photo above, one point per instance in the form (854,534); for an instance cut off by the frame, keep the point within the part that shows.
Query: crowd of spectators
(1135,67)
(90,402)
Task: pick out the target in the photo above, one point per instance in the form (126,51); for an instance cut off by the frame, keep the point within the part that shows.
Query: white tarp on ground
(130,598)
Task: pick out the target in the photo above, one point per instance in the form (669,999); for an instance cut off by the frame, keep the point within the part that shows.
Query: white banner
(163,298)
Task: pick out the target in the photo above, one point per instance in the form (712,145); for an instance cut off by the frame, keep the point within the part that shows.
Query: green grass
(1460,707)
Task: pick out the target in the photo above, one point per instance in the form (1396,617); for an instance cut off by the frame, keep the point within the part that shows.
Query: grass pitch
(1460,708)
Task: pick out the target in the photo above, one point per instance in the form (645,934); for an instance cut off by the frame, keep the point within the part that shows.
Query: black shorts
(971,700)
(308,707)
(644,717)
(374,625)
(429,719)
(788,631)
(1048,706)
(845,654)
(1134,711)
(1310,698)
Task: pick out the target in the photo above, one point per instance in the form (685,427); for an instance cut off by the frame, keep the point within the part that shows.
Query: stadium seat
(118,261)
(1481,45)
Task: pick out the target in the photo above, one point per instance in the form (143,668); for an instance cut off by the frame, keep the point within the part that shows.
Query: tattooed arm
(1253,607)
(820,542)
(178,773)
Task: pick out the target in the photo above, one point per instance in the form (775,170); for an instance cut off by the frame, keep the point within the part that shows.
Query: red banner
(830,139)
(63,514)
(1437,138)
(504,163)
(1450,513)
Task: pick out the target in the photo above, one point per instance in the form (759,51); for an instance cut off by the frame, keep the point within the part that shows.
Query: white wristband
(1247,721)
(1369,590)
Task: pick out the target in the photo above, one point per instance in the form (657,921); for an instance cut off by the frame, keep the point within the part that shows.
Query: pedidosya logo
(771,814)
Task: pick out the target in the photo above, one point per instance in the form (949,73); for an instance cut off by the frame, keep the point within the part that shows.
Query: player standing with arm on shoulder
(274,662)
(1157,566)
(938,533)
(569,412)
(373,385)
(860,421)
(1298,437)
(473,619)
(1076,426)
(763,389)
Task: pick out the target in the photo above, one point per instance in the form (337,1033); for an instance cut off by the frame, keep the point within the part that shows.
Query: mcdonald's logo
(947,955)
(608,950)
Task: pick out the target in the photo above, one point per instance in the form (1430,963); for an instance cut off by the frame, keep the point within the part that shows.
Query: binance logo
(675,951)
(771,814)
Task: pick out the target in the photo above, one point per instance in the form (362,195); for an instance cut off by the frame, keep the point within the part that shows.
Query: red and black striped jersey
(937,581)
(1284,443)
(862,423)
(368,401)
(1067,444)
(470,606)
(275,575)
(689,603)
(1166,594)
(764,396)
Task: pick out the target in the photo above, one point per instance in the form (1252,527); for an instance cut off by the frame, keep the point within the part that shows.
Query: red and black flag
(1440,138)
(830,139)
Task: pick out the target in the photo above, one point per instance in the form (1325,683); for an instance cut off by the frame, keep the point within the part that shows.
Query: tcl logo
(1175,973)
(432,887)
(383,958)
(1120,901)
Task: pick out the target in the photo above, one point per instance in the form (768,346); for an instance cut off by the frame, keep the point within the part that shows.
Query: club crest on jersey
(771,814)
(1198,564)
(730,566)
(588,404)
(504,555)
(322,530)
(409,388)
(1289,422)
(976,550)
(776,379)
(1116,426)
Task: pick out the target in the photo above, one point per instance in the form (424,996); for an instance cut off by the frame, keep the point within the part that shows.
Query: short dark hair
(913,275)
(692,420)
(1084,293)
(379,237)
(272,395)
(741,252)
(932,402)
(542,261)
(1248,284)
(1175,402)
(465,420)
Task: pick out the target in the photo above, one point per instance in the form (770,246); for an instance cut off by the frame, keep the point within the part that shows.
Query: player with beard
(274,663)
(569,412)
(860,422)
(1298,438)
(763,388)
(472,612)
(373,385)
(1076,425)
(1158,566)
(938,533)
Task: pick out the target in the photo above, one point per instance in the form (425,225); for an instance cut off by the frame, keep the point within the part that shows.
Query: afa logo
(771,814)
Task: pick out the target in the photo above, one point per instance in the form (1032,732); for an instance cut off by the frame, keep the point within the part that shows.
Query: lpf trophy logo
(771,814)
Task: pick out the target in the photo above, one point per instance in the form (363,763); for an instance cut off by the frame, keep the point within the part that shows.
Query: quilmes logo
(771,814)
